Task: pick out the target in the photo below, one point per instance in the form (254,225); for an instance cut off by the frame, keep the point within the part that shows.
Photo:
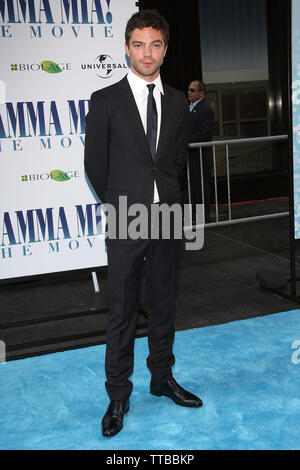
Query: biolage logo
(50,67)
(45,66)
(59,175)
(56,175)
(104,66)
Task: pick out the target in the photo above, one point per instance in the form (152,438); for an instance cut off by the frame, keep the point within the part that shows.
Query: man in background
(202,117)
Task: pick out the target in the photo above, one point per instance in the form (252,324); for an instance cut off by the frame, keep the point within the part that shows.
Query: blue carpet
(242,370)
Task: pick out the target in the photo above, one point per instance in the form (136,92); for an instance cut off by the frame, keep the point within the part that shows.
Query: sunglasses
(192,90)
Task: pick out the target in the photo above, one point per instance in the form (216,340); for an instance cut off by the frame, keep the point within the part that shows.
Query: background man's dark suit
(202,117)
(118,162)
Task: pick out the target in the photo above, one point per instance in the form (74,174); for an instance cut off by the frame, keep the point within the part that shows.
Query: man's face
(146,51)
(194,93)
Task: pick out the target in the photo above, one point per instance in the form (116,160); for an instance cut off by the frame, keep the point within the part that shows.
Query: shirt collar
(138,84)
(192,105)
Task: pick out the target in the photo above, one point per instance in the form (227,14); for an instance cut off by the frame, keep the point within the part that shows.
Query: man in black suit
(136,146)
(202,117)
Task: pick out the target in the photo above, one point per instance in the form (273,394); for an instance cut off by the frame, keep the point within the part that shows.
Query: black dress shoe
(112,421)
(174,391)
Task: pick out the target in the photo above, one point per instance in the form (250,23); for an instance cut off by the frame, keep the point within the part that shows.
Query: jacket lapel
(131,108)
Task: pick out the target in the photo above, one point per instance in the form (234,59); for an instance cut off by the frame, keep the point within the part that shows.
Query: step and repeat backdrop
(54,54)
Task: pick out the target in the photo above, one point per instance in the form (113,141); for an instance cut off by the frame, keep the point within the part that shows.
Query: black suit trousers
(125,265)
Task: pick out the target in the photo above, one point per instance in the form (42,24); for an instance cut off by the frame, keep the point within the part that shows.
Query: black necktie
(151,121)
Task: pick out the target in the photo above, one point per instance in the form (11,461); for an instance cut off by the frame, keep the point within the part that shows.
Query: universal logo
(104,66)
(56,175)
(45,66)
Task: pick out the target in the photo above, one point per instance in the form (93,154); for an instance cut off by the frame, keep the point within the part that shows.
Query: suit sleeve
(96,145)
(182,141)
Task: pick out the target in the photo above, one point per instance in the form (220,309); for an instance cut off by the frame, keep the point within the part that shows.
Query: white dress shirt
(192,105)
(140,93)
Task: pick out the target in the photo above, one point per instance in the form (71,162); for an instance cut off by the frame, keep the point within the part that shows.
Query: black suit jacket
(118,160)
(202,117)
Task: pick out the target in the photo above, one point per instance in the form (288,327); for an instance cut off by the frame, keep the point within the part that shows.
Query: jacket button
(155,168)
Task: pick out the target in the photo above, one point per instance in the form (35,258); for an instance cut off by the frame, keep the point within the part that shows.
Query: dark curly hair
(147,19)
